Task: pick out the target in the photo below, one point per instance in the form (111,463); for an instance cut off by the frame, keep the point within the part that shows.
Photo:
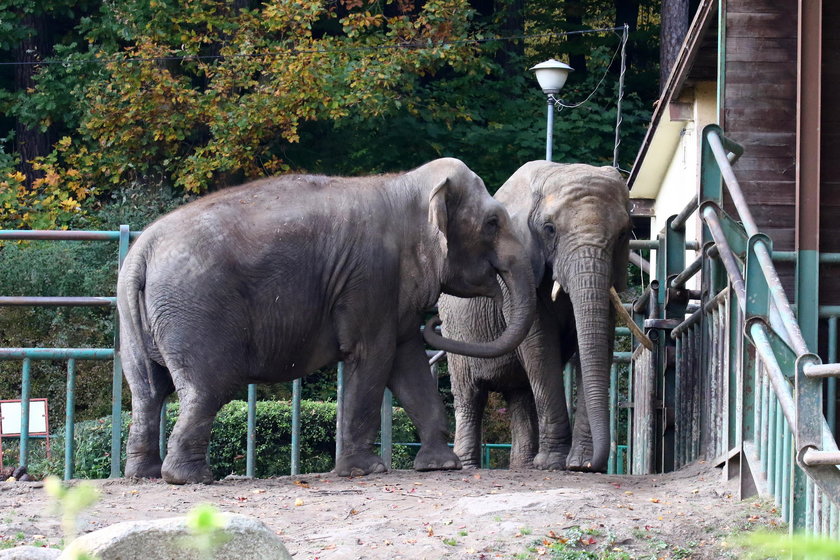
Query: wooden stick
(628,320)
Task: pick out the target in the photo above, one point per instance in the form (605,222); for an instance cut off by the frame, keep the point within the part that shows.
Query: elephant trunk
(588,272)
(515,272)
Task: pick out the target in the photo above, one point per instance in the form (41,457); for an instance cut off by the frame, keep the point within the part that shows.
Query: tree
(675,20)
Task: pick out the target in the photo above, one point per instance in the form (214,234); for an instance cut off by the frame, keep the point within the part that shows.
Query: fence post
(116,390)
(24,412)
(69,443)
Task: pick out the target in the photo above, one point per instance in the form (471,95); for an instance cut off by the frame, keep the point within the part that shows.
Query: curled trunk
(518,280)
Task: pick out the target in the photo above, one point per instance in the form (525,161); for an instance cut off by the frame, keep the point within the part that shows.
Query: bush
(228,441)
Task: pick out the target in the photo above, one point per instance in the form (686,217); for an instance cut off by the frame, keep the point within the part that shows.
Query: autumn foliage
(202,93)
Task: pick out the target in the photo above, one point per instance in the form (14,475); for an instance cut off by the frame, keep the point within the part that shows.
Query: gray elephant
(274,279)
(574,221)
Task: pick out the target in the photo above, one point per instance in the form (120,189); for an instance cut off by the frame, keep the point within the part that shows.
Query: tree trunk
(30,142)
(626,11)
(574,10)
(675,21)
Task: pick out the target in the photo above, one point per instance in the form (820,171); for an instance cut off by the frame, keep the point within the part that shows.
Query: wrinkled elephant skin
(270,281)
(574,221)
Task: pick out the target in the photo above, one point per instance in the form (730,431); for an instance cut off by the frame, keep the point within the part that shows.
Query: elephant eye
(549,229)
(492,222)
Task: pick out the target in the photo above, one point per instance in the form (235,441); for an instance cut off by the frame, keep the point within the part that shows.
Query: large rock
(29,553)
(169,539)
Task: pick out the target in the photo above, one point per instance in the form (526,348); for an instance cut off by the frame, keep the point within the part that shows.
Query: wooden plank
(755,73)
(772,24)
(761,49)
(786,7)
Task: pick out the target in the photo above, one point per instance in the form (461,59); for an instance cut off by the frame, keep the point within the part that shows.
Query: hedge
(227,441)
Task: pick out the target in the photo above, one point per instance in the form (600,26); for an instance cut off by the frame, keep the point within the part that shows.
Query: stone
(170,539)
(29,553)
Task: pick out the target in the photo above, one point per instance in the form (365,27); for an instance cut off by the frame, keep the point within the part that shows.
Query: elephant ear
(437,210)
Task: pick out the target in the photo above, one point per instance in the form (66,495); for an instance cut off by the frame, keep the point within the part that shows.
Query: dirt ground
(479,515)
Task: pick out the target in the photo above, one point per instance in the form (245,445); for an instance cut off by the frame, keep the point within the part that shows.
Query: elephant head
(477,242)
(577,221)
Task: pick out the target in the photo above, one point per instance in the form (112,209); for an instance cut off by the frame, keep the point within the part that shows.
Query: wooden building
(767,72)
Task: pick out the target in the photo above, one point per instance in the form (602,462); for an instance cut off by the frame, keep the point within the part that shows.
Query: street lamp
(551,76)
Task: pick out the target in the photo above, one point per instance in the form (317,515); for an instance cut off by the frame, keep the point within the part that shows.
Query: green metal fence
(620,403)
(737,381)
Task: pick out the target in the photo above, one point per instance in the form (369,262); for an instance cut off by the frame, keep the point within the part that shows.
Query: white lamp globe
(552,75)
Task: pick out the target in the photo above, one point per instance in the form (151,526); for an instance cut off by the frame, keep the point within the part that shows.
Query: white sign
(10,417)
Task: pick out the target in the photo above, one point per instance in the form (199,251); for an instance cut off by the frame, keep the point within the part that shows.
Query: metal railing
(737,380)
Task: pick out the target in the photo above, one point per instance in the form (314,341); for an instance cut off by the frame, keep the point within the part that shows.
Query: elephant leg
(544,365)
(470,401)
(581,454)
(413,384)
(365,377)
(523,428)
(150,384)
(186,457)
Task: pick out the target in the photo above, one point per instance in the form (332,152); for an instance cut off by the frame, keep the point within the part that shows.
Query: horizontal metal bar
(56,353)
(58,301)
(63,235)
(678,223)
(790,256)
(693,319)
(684,276)
(822,370)
(814,458)
(653,244)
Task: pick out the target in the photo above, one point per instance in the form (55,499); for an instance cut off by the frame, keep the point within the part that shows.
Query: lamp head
(552,75)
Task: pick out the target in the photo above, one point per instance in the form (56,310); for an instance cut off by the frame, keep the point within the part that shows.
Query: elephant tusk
(628,320)
(555,290)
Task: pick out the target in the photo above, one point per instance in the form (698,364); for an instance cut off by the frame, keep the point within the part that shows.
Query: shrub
(228,441)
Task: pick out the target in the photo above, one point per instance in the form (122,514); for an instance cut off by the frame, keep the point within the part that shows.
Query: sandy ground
(480,514)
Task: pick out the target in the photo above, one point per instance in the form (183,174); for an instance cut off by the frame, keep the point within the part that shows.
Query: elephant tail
(137,349)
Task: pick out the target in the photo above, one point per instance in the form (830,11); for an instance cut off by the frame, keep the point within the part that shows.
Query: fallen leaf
(258,491)
(299,502)
(302,483)
(655,500)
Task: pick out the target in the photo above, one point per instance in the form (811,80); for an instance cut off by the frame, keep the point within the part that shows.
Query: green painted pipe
(24,413)
(613,408)
(778,463)
(296,391)
(70,407)
(387,428)
(339,405)
(162,432)
(831,382)
(250,449)
(56,353)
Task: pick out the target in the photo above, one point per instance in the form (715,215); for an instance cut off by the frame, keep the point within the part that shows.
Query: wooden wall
(760,112)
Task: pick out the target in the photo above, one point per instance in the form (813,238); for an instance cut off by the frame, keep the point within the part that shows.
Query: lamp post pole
(549,132)
(551,76)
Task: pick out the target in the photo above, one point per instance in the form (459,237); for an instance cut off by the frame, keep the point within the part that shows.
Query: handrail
(762,251)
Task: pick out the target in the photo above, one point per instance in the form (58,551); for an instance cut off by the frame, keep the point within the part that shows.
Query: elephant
(574,222)
(271,280)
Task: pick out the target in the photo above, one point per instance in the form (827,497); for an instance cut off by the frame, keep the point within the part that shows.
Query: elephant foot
(551,460)
(142,467)
(437,459)
(521,463)
(177,471)
(359,464)
(580,459)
